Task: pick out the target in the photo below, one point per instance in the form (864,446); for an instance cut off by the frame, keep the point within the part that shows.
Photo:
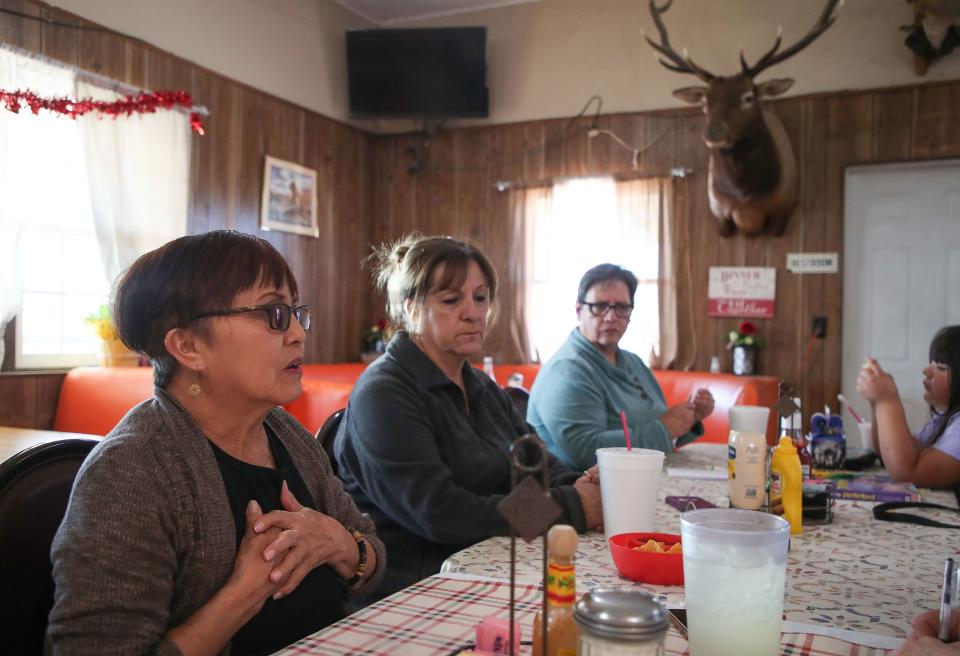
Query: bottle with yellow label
(786,484)
(561,583)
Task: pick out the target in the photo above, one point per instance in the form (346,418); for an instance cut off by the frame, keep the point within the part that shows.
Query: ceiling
(385,12)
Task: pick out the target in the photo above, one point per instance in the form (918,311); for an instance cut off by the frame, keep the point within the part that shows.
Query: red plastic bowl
(656,568)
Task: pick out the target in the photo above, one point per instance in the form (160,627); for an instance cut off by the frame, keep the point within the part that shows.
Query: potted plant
(743,342)
(113,352)
(374,341)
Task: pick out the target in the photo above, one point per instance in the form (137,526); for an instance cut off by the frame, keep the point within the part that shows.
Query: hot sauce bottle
(794,428)
(561,585)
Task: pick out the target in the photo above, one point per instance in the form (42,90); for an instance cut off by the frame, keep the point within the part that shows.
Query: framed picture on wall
(289,202)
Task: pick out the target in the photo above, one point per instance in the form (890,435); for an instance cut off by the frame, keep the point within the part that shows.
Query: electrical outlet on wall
(819,327)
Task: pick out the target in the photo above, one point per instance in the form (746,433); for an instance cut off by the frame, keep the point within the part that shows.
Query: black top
(318,600)
(430,472)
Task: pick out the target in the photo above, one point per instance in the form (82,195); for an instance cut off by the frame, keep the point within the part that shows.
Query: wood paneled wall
(367,194)
(455,194)
(226,181)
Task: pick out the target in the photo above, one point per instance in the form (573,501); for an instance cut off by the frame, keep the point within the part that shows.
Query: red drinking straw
(626,431)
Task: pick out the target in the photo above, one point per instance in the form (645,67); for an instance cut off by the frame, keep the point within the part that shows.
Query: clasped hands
(679,419)
(281,547)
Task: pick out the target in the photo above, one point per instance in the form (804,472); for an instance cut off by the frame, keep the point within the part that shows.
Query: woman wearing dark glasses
(577,397)
(209,520)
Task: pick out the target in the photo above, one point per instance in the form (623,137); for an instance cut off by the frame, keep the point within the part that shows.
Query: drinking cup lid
(621,614)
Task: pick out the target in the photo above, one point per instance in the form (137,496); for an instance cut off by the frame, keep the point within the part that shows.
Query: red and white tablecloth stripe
(438,615)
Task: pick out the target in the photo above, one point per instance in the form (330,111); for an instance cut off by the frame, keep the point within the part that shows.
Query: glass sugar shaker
(620,622)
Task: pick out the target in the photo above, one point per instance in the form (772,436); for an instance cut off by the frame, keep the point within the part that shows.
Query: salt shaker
(620,622)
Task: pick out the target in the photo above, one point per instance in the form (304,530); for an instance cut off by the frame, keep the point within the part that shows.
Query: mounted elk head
(752,178)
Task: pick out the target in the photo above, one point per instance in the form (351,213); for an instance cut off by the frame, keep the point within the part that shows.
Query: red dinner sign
(742,292)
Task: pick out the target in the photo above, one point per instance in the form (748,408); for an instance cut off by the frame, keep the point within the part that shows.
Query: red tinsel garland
(142,103)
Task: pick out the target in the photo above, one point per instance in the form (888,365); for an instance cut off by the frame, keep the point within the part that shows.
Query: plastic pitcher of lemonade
(734,569)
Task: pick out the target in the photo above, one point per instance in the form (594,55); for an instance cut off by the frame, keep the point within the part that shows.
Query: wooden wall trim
(830,131)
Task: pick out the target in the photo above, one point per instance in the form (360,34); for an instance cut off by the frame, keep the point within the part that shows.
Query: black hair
(945,349)
(603,273)
(168,287)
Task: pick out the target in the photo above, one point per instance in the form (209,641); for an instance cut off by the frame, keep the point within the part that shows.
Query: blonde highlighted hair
(405,271)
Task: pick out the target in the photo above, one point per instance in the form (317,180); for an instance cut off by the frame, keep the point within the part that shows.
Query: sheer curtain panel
(139,179)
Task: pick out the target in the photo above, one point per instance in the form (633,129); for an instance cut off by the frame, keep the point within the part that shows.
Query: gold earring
(194,389)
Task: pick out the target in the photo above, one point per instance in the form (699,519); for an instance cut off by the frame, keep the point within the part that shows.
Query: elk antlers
(772,57)
(684,64)
(680,64)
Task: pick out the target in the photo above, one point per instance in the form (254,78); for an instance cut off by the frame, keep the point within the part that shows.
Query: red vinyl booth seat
(728,390)
(320,399)
(94,399)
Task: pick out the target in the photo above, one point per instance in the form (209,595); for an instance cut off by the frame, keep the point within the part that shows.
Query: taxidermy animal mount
(752,177)
(935,31)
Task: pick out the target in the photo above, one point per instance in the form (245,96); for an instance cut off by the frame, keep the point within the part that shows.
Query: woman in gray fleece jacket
(209,521)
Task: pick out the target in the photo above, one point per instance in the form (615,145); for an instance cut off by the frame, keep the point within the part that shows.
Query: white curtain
(526,206)
(644,210)
(29,147)
(138,177)
(580,223)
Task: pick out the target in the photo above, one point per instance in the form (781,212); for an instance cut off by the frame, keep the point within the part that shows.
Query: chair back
(35,485)
(327,433)
(520,397)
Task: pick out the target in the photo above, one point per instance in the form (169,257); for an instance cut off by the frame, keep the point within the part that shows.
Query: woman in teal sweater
(577,397)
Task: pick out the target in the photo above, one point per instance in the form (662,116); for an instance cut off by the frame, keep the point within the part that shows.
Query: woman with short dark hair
(424,446)
(209,520)
(577,398)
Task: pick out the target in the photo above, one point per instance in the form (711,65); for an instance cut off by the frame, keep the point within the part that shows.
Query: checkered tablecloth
(438,615)
(857,574)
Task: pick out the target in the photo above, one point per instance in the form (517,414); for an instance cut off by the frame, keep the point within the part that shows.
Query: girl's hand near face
(875,384)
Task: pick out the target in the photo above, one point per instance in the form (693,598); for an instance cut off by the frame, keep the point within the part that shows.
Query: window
(48,226)
(73,191)
(585,222)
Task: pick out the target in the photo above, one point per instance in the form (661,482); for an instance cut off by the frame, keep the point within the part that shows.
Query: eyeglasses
(622,310)
(278,314)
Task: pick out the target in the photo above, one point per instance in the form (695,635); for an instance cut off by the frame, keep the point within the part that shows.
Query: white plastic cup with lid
(629,480)
(749,419)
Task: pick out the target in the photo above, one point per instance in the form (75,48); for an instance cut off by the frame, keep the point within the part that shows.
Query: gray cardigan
(148,536)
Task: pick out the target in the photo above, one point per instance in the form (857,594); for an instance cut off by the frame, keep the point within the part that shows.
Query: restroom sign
(742,292)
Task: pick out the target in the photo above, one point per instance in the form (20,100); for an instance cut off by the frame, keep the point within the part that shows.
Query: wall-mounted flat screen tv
(424,72)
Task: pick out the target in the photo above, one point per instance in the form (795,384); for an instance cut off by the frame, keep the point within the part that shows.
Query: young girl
(932,458)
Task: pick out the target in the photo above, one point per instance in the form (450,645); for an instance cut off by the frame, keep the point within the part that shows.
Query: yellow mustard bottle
(786,484)
(562,631)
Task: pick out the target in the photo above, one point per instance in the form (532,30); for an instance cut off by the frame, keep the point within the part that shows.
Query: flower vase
(744,360)
(113,353)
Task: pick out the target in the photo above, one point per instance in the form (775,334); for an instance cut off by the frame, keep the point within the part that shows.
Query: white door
(901,280)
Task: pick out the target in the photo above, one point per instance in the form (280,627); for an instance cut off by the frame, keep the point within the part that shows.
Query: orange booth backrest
(94,399)
(728,390)
(320,399)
